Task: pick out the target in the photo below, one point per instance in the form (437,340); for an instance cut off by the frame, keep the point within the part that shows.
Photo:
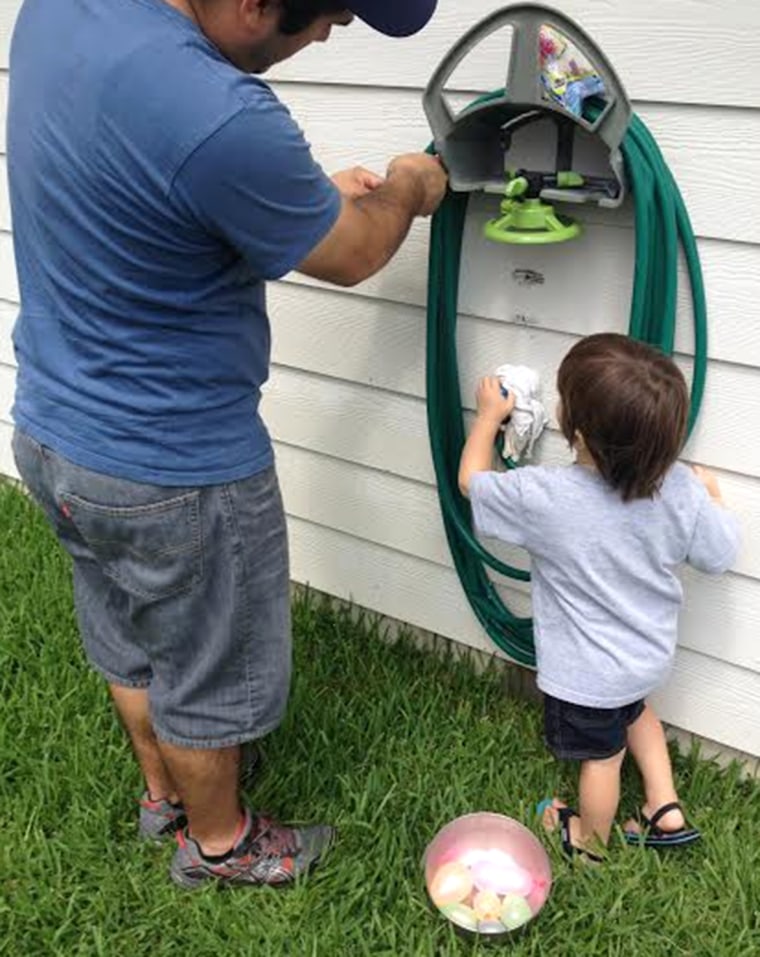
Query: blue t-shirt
(154,187)
(606,595)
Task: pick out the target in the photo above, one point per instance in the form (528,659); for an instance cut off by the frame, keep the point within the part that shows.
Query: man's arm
(372,227)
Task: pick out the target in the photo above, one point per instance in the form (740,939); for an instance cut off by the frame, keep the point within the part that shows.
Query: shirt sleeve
(498,508)
(715,541)
(255,183)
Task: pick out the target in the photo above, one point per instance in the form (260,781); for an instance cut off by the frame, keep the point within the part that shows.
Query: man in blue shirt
(156,183)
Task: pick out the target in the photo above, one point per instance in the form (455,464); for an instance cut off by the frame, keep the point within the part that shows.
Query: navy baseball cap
(395,18)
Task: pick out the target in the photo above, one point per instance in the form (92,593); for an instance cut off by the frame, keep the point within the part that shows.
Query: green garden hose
(661,222)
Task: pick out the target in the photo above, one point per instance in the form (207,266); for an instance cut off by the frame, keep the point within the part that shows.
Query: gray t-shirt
(606,595)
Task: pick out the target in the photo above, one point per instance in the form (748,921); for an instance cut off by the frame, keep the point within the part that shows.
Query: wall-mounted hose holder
(555,71)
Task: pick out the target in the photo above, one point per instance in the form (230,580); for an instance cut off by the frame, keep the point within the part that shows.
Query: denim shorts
(577,733)
(182,591)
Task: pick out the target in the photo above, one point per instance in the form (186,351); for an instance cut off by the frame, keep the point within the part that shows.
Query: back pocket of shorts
(150,550)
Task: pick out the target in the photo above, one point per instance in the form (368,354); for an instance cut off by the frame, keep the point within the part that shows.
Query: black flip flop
(570,850)
(654,836)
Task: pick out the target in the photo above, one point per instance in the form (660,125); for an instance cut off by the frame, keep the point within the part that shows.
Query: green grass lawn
(387,742)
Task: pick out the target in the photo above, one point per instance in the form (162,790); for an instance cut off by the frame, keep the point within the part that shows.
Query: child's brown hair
(630,403)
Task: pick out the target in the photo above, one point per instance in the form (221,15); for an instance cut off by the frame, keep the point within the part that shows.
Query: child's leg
(598,799)
(599,795)
(647,744)
(596,738)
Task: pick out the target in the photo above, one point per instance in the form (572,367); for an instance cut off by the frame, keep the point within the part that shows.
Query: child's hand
(491,402)
(710,482)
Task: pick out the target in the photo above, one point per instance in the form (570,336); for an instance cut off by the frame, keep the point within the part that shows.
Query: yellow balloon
(451,884)
(487,905)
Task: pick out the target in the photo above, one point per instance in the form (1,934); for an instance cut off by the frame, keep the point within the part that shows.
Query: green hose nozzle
(530,222)
(526,220)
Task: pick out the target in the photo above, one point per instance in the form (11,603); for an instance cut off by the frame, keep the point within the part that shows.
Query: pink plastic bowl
(487,873)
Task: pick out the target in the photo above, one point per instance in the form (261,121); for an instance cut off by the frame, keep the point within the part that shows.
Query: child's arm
(493,409)
(715,543)
(710,482)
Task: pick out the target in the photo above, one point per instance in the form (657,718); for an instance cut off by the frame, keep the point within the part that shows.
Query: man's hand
(429,177)
(710,482)
(492,405)
(374,221)
(356,182)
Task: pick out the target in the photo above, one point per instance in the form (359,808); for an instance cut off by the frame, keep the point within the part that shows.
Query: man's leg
(207,781)
(132,708)
(225,682)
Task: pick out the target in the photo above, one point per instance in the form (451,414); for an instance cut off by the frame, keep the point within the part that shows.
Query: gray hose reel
(554,69)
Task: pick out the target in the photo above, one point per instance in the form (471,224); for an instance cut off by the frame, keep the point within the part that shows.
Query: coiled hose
(661,223)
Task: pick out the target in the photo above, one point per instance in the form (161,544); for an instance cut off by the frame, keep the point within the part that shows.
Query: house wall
(346,400)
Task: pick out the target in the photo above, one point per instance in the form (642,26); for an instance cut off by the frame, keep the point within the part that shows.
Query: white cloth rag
(529,418)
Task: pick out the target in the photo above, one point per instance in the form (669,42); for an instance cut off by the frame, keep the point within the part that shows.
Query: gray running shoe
(265,853)
(160,819)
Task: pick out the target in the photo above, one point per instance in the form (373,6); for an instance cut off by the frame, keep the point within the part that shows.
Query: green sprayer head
(526,220)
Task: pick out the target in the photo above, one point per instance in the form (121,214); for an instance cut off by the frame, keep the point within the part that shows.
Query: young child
(605,536)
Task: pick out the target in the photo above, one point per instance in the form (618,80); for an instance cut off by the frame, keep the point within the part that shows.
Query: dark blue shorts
(182,591)
(576,733)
